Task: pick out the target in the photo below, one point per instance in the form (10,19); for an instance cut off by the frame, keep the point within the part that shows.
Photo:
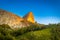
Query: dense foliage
(33,32)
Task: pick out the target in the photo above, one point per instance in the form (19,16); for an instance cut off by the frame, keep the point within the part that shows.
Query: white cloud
(47,20)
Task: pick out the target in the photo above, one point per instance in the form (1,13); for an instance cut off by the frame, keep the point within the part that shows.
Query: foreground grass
(36,35)
(47,32)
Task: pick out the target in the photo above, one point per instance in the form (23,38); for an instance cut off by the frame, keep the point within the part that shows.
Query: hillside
(50,32)
(36,35)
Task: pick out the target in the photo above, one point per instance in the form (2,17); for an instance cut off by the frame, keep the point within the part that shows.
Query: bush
(55,33)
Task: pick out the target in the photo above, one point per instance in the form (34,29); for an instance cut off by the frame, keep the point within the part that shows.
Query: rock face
(15,21)
(29,17)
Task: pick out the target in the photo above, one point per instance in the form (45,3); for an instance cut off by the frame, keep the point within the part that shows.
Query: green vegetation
(33,32)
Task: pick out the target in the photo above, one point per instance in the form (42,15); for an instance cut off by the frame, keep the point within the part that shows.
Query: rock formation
(15,21)
(29,17)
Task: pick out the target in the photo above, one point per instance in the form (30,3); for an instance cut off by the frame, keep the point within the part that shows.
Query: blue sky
(45,11)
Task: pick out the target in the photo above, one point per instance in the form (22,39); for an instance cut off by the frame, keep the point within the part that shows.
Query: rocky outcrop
(29,17)
(15,21)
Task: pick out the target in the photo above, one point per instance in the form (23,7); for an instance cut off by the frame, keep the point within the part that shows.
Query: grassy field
(47,32)
(36,35)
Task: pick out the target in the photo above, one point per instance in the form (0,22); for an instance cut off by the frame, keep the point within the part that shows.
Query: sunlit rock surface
(15,21)
(29,17)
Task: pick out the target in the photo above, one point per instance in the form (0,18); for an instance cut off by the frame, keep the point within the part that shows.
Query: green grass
(36,35)
(47,32)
